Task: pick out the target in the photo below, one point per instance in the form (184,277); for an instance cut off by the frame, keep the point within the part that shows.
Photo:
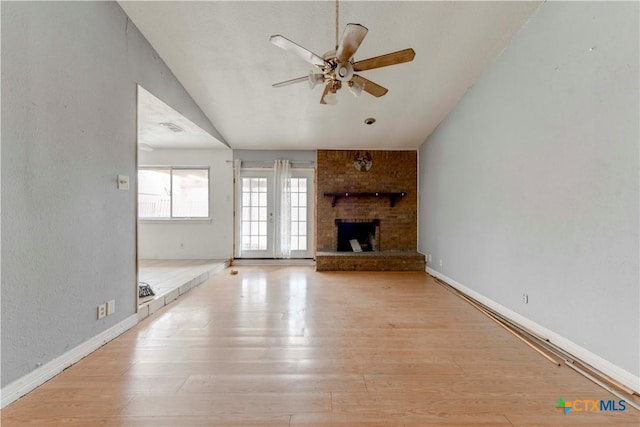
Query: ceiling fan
(337,68)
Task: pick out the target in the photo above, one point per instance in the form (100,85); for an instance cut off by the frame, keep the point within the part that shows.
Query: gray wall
(69,75)
(531,183)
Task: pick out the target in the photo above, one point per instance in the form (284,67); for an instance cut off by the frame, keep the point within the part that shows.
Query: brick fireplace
(372,197)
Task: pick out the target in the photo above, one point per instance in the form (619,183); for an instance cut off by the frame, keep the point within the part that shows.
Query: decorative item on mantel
(363,162)
(392,196)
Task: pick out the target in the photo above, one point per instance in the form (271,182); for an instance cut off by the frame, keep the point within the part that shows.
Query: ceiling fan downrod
(337,14)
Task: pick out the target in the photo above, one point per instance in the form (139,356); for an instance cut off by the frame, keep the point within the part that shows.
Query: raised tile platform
(370,261)
(171,278)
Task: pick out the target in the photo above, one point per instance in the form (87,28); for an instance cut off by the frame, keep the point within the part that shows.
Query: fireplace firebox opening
(364,231)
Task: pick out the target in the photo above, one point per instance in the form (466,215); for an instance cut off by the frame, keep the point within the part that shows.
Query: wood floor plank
(273,383)
(76,405)
(288,346)
(205,421)
(130,385)
(222,404)
(342,420)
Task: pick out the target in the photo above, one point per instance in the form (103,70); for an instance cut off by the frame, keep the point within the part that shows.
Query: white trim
(174,220)
(615,372)
(44,373)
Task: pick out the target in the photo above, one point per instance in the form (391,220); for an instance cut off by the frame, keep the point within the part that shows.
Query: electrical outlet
(111,307)
(440,263)
(429,258)
(525,298)
(102,311)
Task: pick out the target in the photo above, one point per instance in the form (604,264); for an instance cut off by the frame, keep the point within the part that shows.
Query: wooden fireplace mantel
(392,196)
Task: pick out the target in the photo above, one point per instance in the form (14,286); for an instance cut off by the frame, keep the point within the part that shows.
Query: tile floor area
(172,278)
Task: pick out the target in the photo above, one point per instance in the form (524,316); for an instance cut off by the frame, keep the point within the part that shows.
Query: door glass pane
(254,214)
(298,214)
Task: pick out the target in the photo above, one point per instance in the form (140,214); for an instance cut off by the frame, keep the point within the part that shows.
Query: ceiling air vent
(172,127)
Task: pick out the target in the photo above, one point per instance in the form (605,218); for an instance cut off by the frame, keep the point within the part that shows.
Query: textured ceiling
(220,52)
(154,126)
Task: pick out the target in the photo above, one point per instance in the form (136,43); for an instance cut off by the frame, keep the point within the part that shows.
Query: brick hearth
(370,261)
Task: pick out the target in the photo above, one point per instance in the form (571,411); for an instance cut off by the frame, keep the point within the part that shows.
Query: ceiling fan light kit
(337,67)
(314,79)
(355,88)
(331,98)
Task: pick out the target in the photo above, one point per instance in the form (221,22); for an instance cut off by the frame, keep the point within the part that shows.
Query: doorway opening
(178,166)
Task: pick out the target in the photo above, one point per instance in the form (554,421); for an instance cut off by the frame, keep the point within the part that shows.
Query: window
(166,192)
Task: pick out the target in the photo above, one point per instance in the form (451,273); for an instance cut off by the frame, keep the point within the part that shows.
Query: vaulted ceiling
(220,52)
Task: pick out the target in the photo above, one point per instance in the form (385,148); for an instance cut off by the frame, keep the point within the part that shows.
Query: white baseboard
(603,365)
(44,373)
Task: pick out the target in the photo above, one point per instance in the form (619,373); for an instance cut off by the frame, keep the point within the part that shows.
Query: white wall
(69,77)
(192,239)
(531,184)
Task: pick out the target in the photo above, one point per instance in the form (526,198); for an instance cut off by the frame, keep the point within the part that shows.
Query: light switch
(123,182)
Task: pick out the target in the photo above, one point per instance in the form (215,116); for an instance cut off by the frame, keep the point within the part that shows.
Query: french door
(257,215)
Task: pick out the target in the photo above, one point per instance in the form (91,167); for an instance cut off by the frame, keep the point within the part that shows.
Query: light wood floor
(287,346)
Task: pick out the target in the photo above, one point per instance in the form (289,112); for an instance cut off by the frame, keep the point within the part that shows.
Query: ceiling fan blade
(307,55)
(369,86)
(292,81)
(398,57)
(351,39)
